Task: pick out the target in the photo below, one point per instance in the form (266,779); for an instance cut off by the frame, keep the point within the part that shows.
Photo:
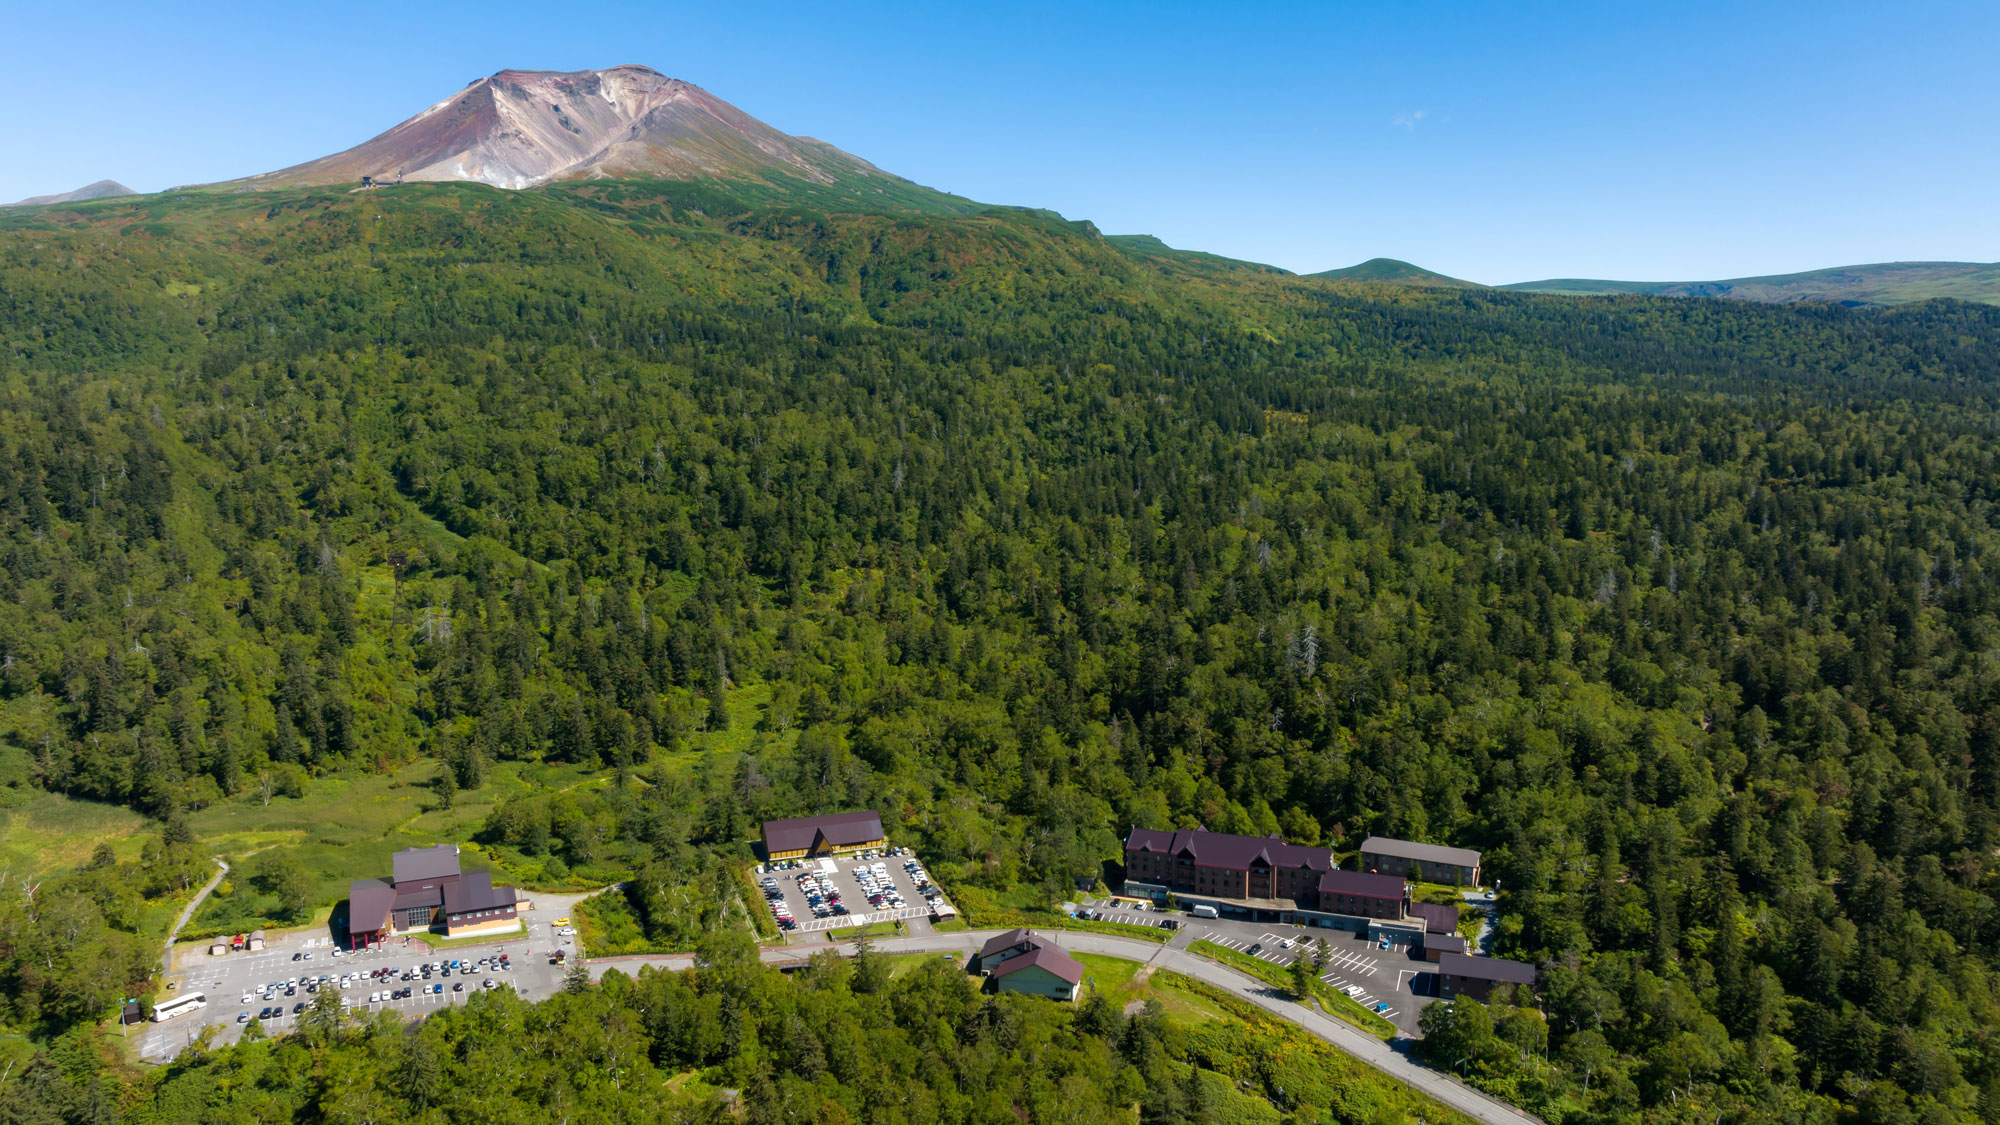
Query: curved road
(1370,1050)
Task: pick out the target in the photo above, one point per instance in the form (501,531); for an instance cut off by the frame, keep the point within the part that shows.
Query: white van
(1203,911)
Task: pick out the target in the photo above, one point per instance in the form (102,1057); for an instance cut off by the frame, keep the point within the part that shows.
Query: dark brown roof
(1004,942)
(1444,943)
(839,830)
(1044,956)
(1497,969)
(1363,884)
(417,865)
(368,903)
(1220,849)
(419,895)
(475,891)
(1439,918)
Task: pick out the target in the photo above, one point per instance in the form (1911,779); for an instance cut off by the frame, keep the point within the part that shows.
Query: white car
(246,998)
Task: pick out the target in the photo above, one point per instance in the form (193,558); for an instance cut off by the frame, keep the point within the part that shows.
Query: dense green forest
(1677,608)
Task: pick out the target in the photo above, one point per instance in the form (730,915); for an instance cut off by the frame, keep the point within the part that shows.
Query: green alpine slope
(1886,283)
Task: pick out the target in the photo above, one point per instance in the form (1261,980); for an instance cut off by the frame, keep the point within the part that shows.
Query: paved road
(167,955)
(1370,1050)
(1484,900)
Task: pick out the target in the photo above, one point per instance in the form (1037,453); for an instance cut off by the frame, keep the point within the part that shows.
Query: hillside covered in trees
(1677,608)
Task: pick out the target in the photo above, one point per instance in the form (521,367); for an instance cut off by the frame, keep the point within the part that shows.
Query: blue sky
(1494,141)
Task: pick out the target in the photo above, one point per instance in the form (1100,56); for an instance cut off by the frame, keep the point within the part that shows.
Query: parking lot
(843,900)
(1355,965)
(226,978)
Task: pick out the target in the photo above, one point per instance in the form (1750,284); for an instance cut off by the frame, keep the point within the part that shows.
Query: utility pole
(397,562)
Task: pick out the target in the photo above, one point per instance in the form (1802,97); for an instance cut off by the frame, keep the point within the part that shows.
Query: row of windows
(468,916)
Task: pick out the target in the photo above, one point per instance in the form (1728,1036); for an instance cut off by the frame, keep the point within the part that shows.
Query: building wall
(1449,985)
(1037,981)
(1363,905)
(801,853)
(1423,870)
(413,919)
(486,926)
(1300,884)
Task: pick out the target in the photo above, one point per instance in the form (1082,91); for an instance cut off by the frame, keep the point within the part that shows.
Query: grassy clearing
(346,828)
(47,831)
(1124,983)
(902,964)
(985,910)
(1337,1003)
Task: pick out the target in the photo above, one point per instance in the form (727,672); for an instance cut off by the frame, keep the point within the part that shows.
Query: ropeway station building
(427,893)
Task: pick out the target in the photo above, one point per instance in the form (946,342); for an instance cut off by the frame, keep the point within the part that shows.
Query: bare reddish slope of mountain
(519,128)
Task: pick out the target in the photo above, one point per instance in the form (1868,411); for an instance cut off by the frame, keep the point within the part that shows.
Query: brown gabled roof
(839,830)
(1043,956)
(1004,942)
(1439,918)
(1220,849)
(417,865)
(1362,884)
(1497,969)
(475,891)
(368,904)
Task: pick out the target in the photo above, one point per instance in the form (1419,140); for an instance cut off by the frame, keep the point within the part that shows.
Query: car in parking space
(298,1007)
(436,988)
(458,986)
(1255,948)
(488,983)
(246,998)
(243,1016)
(298,956)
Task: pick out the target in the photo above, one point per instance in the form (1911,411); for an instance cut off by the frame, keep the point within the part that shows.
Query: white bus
(193,1001)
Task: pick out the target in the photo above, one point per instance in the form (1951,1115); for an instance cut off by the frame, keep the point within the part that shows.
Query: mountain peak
(1394,271)
(517,128)
(99,190)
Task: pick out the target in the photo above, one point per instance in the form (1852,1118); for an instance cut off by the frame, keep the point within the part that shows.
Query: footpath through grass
(1337,1003)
